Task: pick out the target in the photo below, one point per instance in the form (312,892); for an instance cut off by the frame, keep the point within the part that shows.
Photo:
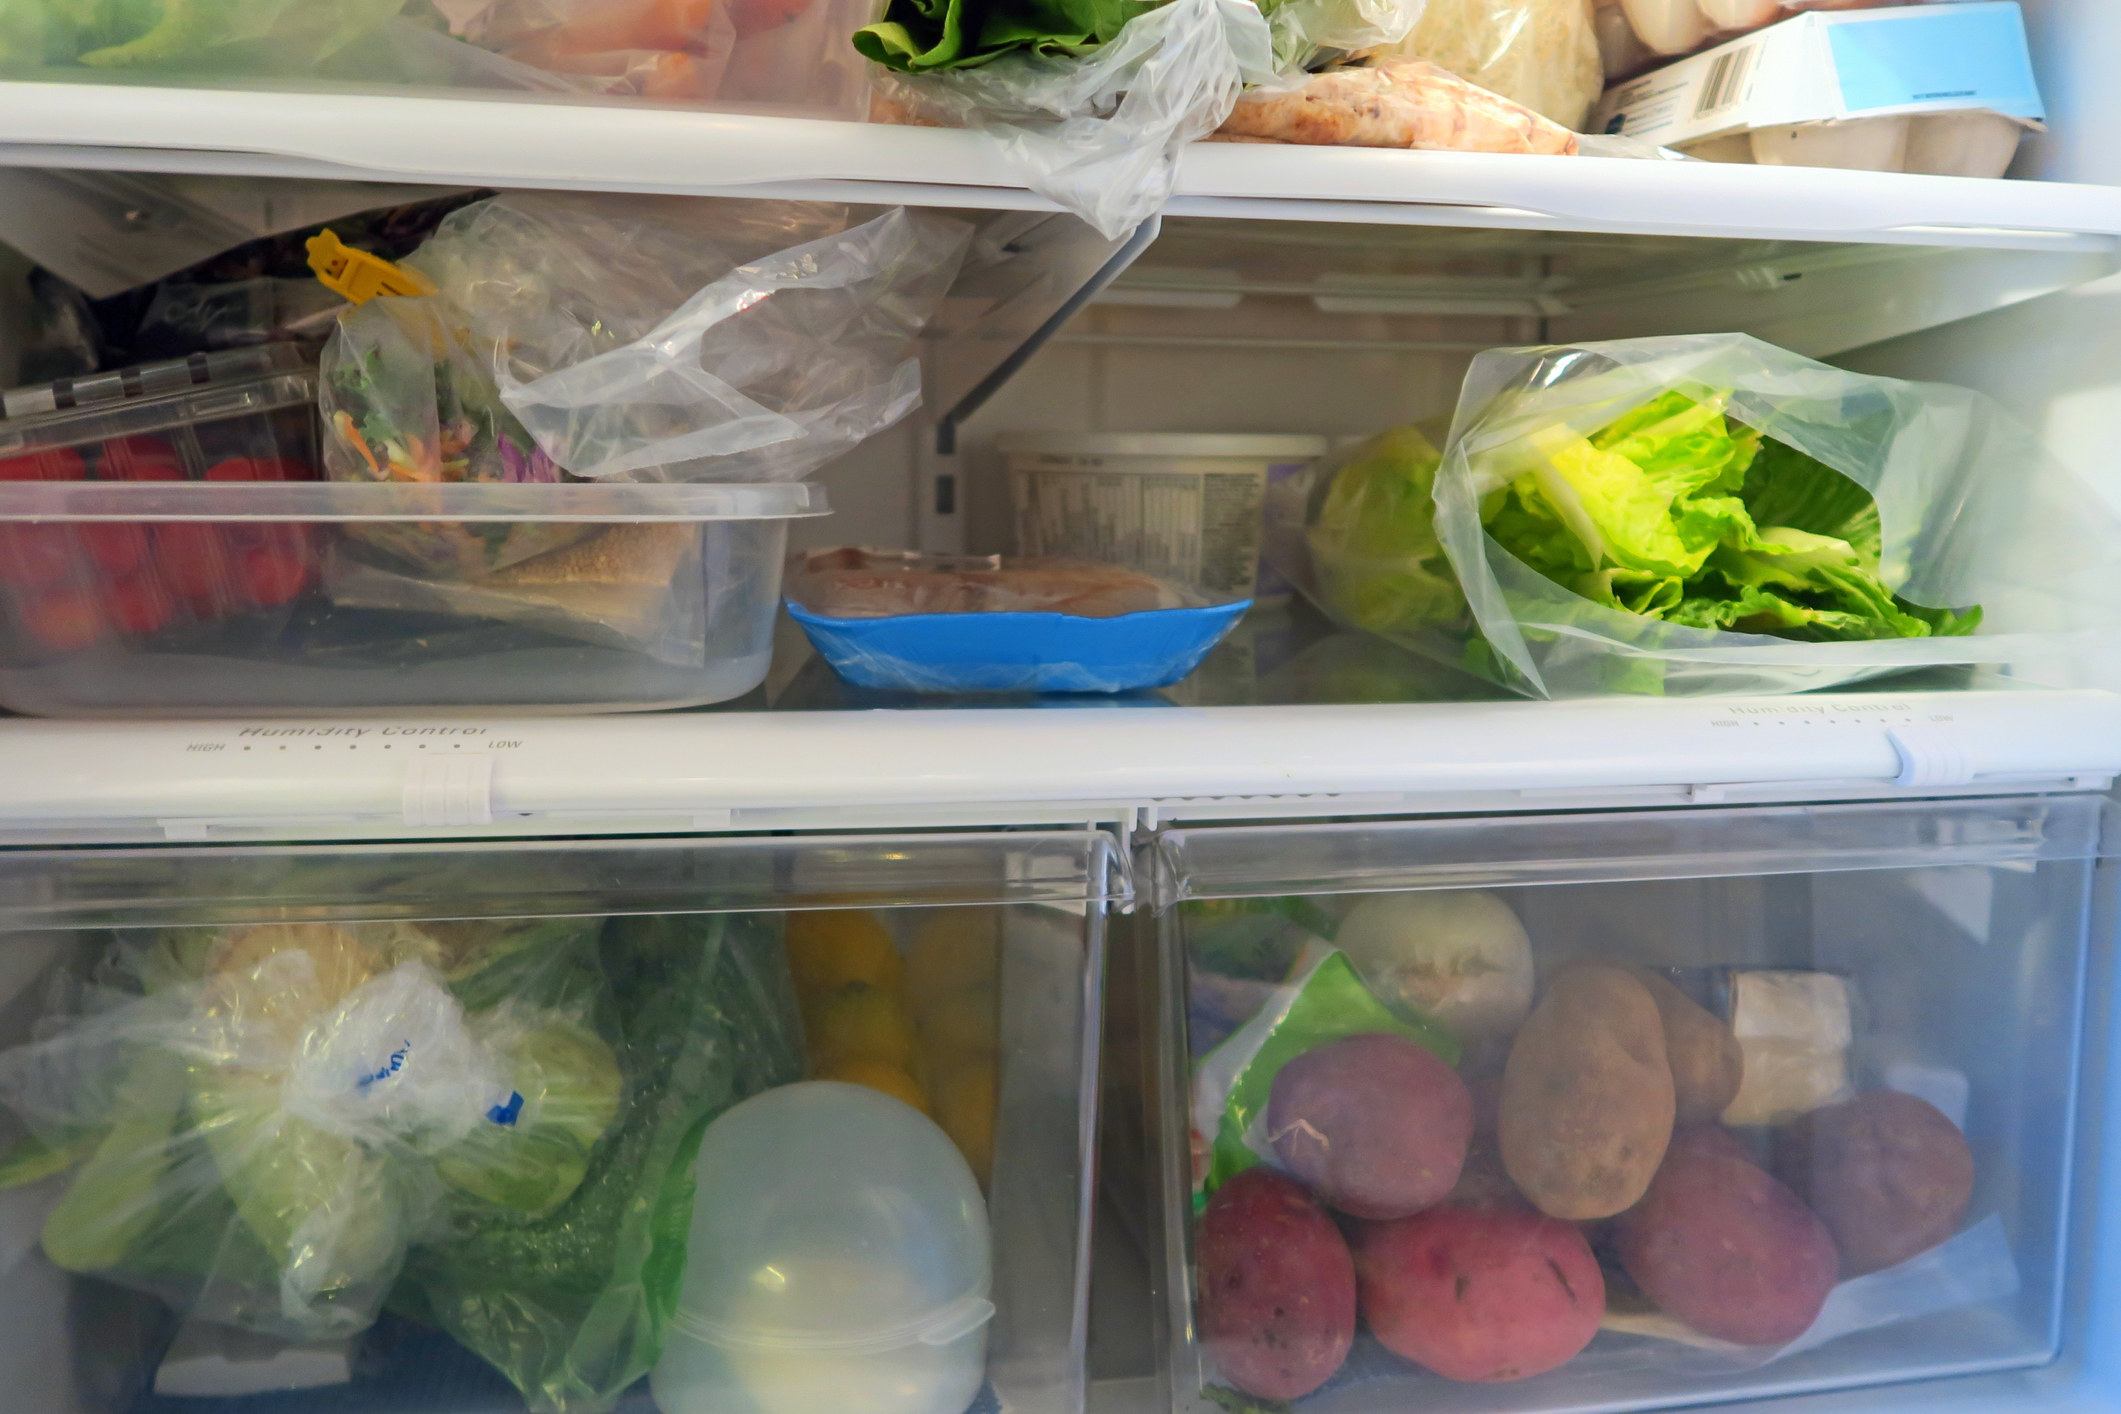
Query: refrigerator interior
(1336,328)
(976,958)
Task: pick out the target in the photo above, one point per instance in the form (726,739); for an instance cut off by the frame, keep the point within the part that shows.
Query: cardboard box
(1832,66)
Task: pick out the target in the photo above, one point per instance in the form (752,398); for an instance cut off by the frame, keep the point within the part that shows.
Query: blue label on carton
(1950,56)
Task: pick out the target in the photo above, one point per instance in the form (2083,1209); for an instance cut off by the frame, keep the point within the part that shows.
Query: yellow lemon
(859,1022)
(839,947)
(964,1107)
(878,1076)
(965,1025)
(953,949)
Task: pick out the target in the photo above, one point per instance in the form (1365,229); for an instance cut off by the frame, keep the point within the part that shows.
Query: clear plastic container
(842,1263)
(687,961)
(233,599)
(1777,1101)
(784,56)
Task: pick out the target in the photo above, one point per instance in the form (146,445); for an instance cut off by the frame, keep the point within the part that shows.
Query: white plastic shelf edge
(524,142)
(723,771)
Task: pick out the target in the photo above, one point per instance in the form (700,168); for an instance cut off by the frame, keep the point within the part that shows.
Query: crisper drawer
(1621,1111)
(792,1123)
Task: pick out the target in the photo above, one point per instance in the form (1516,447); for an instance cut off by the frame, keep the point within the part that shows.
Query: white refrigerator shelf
(531,142)
(386,777)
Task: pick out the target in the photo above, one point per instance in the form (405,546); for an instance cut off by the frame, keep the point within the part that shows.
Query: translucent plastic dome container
(839,1260)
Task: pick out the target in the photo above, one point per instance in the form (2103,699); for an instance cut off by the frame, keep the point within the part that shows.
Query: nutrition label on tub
(1196,526)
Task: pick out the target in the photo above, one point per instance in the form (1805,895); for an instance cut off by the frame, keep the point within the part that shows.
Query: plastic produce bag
(246,36)
(1324,999)
(1099,132)
(264,1118)
(1709,514)
(643,340)
(571,1303)
(1541,53)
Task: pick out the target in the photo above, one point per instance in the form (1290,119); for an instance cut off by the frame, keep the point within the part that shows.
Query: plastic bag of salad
(1708,515)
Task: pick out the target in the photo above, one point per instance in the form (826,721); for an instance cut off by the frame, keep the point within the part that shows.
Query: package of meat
(908,622)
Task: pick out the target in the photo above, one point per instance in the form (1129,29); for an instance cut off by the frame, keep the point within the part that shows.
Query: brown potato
(1722,1246)
(1587,1099)
(1707,1065)
(1887,1172)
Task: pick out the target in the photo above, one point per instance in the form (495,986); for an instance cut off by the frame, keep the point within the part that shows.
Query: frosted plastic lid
(832,1217)
(1166,444)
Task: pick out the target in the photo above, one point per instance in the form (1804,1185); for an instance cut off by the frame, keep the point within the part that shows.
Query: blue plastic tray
(1019,652)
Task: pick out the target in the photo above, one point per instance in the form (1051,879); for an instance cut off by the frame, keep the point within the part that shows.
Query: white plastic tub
(574,597)
(1182,506)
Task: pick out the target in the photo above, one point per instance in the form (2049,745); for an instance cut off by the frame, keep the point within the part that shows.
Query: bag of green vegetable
(486,1123)
(570,1300)
(243,37)
(1094,99)
(1709,514)
(263,1119)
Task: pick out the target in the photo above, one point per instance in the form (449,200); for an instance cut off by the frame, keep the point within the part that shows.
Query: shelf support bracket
(946,426)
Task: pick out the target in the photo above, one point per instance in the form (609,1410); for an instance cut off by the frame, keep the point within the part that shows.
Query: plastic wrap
(1541,53)
(643,340)
(258,36)
(1950,536)
(276,1127)
(1101,134)
(921,623)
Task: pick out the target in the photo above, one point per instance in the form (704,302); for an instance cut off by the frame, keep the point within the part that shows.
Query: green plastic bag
(571,1304)
(1323,1000)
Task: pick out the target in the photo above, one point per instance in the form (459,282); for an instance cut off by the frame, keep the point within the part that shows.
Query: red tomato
(271,578)
(192,559)
(48,464)
(36,556)
(116,549)
(139,603)
(139,459)
(63,620)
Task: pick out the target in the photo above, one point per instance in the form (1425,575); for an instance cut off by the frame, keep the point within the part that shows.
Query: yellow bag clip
(358,275)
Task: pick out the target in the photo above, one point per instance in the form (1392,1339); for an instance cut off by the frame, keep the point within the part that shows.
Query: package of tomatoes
(87,587)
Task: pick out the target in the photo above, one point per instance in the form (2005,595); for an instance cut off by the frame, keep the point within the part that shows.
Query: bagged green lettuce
(1709,514)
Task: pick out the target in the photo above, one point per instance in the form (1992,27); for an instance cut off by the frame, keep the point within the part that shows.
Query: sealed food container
(857,1315)
(216,599)
(899,620)
(1620,1111)
(1178,505)
(419,1126)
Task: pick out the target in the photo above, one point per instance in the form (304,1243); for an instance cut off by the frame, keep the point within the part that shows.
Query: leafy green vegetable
(169,34)
(1675,512)
(1373,540)
(570,1303)
(918,36)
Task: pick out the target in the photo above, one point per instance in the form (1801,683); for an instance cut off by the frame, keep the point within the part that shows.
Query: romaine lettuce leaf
(1373,542)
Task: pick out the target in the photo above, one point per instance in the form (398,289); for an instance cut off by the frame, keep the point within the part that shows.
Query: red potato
(45,464)
(1718,1243)
(1277,1287)
(1887,1173)
(1375,1125)
(1480,1294)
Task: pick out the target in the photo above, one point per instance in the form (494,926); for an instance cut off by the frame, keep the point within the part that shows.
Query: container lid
(476,501)
(833,1217)
(1296,446)
(151,397)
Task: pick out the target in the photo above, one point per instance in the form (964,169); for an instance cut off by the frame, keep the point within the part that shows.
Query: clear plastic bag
(1100,134)
(246,36)
(1541,53)
(644,340)
(1879,525)
(488,1123)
